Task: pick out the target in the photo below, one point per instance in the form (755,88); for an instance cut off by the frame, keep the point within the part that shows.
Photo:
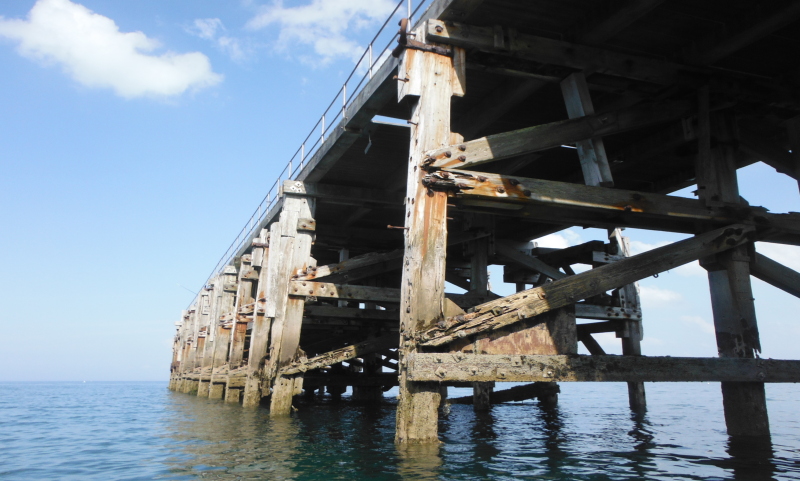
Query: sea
(141,431)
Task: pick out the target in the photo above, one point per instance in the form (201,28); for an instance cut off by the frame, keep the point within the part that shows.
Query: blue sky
(136,141)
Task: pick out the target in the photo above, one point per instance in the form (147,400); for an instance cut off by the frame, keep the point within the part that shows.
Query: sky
(137,138)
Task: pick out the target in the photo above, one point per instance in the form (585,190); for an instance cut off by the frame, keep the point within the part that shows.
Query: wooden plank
(598,206)
(774,273)
(356,268)
(337,356)
(444,367)
(423,278)
(222,337)
(507,251)
(555,134)
(327,290)
(608,27)
(532,302)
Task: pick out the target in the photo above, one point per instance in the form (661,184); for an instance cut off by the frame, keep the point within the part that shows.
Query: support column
(203,340)
(222,337)
(291,252)
(479,285)
(433,79)
(259,337)
(244,296)
(632,333)
(735,323)
(597,172)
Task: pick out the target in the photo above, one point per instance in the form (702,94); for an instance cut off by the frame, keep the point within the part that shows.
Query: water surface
(137,431)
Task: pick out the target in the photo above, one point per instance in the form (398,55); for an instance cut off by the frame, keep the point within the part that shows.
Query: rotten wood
(337,356)
(526,304)
(444,367)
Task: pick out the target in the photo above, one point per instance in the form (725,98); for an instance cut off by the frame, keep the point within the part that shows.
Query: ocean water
(137,431)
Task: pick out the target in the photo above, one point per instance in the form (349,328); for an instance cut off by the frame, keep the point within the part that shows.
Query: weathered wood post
(479,285)
(222,337)
(735,324)
(290,251)
(433,79)
(597,172)
(259,336)
(244,296)
(204,338)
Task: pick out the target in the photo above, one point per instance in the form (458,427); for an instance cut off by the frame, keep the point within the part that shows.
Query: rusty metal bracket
(403,43)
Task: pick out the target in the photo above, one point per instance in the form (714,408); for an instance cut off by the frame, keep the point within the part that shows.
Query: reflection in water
(587,436)
(419,462)
(751,457)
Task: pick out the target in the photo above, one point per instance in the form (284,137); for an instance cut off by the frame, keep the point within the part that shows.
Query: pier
(494,123)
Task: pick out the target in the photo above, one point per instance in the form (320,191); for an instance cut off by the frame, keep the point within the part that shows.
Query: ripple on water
(136,431)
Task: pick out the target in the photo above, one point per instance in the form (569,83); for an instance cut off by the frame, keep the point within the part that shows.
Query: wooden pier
(515,120)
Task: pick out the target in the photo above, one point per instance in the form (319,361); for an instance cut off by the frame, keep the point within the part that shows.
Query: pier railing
(369,62)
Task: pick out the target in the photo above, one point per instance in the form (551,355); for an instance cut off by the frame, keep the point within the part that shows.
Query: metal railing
(367,64)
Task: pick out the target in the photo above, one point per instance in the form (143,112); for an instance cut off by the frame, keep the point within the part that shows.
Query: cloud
(786,255)
(207,28)
(654,296)
(91,49)
(704,325)
(324,25)
(560,240)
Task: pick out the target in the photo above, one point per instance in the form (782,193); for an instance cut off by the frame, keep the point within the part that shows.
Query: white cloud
(654,296)
(704,325)
(559,240)
(786,255)
(637,247)
(324,25)
(91,49)
(207,29)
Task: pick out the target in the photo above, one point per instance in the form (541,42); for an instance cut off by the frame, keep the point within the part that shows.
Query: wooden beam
(591,152)
(327,290)
(514,394)
(775,21)
(608,27)
(369,346)
(591,344)
(555,134)
(557,52)
(423,278)
(532,302)
(506,250)
(588,205)
(355,268)
(605,313)
(262,325)
(444,367)
(774,273)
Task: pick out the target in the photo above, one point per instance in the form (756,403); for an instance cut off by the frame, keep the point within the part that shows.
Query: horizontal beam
(516,393)
(460,367)
(555,134)
(523,305)
(327,290)
(372,263)
(557,52)
(775,273)
(605,313)
(586,205)
(337,356)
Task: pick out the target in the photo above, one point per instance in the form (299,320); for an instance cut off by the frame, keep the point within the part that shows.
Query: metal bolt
(501,189)
(462,158)
(513,182)
(448,154)
(439,29)
(482,178)
(527,192)
(462,147)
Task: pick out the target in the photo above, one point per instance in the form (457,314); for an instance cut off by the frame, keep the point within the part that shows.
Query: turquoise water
(137,431)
